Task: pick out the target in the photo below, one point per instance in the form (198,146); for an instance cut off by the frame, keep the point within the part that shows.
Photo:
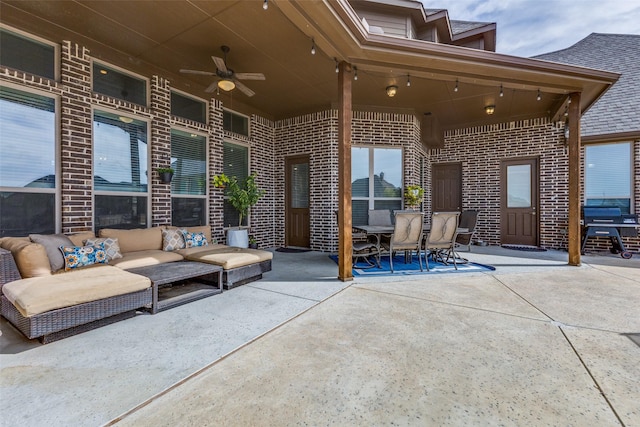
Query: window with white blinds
(608,175)
(236,163)
(27,163)
(189,183)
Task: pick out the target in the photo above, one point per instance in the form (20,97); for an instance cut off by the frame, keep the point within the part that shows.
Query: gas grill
(609,222)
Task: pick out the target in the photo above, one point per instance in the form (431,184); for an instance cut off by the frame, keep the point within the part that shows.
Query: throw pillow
(193,240)
(172,239)
(110,245)
(81,256)
(51,243)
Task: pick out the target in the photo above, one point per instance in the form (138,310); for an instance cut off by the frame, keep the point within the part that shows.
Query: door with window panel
(297,202)
(519,202)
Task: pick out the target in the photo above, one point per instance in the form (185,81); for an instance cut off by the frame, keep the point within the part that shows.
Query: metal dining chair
(441,239)
(407,235)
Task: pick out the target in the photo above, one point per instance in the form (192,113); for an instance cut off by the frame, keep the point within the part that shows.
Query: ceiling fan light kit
(226,85)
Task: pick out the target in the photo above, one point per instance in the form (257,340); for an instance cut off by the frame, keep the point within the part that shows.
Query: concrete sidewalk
(535,342)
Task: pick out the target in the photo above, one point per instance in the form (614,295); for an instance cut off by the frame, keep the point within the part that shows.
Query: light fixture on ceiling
(265,4)
(566,130)
(490,109)
(337,65)
(501,91)
(124,119)
(539,97)
(226,85)
(408,80)
(455,89)
(355,73)
(313,46)
(392,90)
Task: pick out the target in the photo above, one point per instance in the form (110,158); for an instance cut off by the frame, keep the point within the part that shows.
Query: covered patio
(340,85)
(535,342)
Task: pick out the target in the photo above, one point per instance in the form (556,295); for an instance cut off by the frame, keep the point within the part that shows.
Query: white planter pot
(238,238)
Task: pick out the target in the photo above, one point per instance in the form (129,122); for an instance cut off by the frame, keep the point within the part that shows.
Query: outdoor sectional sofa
(49,303)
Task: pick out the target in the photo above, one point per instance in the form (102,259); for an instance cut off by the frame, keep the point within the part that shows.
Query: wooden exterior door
(297,225)
(519,201)
(446,192)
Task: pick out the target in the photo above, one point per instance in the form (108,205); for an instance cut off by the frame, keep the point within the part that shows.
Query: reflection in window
(25,54)
(608,175)
(189,184)
(27,163)
(236,163)
(117,84)
(376,181)
(188,108)
(519,186)
(120,162)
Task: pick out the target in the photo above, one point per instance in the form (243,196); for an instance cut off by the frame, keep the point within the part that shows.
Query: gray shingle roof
(458,27)
(618,110)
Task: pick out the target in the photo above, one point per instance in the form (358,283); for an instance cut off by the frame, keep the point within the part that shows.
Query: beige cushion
(52,243)
(139,239)
(231,257)
(189,251)
(145,258)
(31,258)
(79,238)
(41,294)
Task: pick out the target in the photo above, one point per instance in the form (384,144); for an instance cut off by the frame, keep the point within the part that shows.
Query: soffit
(162,37)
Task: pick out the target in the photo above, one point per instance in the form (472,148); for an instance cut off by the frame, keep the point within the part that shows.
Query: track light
(539,95)
(337,65)
(355,74)
(265,4)
(408,80)
(501,91)
(455,89)
(313,47)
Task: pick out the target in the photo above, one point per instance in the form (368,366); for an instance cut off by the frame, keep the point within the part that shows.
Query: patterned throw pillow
(110,246)
(81,256)
(172,239)
(193,240)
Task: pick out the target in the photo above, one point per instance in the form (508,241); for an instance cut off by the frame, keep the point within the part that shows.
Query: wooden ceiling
(162,37)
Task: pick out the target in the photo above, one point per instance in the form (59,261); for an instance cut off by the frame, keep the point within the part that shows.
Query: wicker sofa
(93,296)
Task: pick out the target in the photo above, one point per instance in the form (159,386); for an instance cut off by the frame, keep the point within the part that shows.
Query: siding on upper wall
(393,25)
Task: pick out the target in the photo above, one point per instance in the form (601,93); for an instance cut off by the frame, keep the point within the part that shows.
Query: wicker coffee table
(198,278)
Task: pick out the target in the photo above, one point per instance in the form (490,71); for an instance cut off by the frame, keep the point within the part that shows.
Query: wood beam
(345,244)
(574,179)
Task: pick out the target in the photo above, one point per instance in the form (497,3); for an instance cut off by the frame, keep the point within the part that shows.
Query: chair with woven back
(407,235)
(441,239)
(363,248)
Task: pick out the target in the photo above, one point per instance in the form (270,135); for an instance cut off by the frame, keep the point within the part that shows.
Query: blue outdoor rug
(413,268)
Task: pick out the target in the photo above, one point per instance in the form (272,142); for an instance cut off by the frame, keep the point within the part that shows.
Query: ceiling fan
(228,79)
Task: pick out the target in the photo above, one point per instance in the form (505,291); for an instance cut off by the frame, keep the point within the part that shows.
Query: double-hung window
(120,168)
(608,175)
(376,181)
(27,163)
(236,163)
(189,184)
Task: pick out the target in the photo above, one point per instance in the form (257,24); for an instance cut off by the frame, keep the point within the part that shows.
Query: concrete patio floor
(535,342)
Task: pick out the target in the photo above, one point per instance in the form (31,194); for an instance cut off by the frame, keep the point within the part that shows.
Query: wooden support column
(574,180)
(345,245)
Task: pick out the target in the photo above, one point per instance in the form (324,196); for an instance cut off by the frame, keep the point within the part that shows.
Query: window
(117,84)
(189,184)
(188,108)
(376,181)
(608,175)
(236,163)
(120,162)
(27,163)
(25,54)
(235,123)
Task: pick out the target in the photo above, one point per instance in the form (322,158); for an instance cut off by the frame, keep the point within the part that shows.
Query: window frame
(233,112)
(56,50)
(131,194)
(147,84)
(204,196)
(371,198)
(56,190)
(195,98)
(225,197)
(630,177)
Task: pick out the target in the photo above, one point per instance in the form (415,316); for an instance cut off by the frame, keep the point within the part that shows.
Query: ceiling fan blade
(250,76)
(219,63)
(211,87)
(203,73)
(244,89)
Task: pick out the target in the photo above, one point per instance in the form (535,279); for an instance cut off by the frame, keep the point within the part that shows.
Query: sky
(532,27)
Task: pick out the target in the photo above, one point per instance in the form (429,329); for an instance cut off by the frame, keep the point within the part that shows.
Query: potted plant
(242,196)
(220,181)
(166,174)
(413,196)
(253,243)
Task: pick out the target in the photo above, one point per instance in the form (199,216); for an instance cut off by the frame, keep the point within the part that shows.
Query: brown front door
(297,202)
(519,202)
(447,187)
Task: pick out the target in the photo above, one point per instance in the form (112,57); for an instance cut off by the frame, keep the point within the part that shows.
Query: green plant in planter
(413,195)
(241,195)
(165,174)
(165,170)
(220,181)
